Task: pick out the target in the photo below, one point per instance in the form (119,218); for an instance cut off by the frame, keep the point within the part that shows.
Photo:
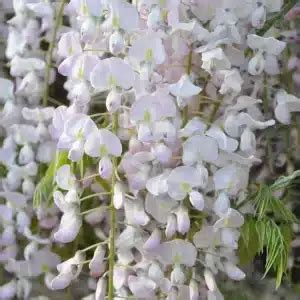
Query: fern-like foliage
(269,229)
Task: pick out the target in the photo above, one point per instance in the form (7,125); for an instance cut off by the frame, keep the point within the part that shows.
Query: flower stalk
(113,222)
(49,55)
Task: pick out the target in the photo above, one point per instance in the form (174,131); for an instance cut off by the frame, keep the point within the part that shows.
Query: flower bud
(197,200)
(96,264)
(256,64)
(183,220)
(116,43)
(233,271)
(101,289)
(72,196)
(171,226)
(113,101)
(162,153)
(155,273)
(210,280)
(258,17)
(105,167)
(173,294)
(194,290)
(119,196)
(248,141)
(23,221)
(153,241)
(177,276)
(8,290)
(154,18)
(88,30)
(76,151)
(24,287)
(120,276)
(28,187)
(26,155)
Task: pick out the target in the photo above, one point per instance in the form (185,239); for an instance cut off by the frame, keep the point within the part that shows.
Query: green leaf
(259,234)
(45,188)
(249,242)
(284,181)
(265,202)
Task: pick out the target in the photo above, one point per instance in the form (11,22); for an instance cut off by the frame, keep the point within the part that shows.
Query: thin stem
(94,195)
(89,177)
(94,209)
(214,112)
(113,223)
(278,17)
(99,114)
(50,51)
(188,71)
(93,246)
(130,196)
(266,111)
(54,101)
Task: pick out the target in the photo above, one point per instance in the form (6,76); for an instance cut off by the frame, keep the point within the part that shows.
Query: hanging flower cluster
(150,162)
(27,146)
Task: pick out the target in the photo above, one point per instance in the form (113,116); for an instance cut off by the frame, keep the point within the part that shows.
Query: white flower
(233,271)
(197,200)
(207,237)
(183,220)
(232,82)
(135,212)
(86,8)
(21,66)
(142,286)
(182,180)
(286,104)
(69,44)
(8,290)
(177,276)
(153,241)
(160,207)
(68,271)
(119,195)
(210,280)
(110,73)
(171,226)
(214,60)
(199,148)
(96,264)
(105,167)
(69,227)
(195,126)
(65,179)
(235,124)
(193,290)
(122,15)
(232,219)
(101,143)
(183,89)
(116,43)
(7,90)
(158,185)
(230,178)
(266,57)
(149,109)
(177,252)
(76,130)
(101,289)
(147,49)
